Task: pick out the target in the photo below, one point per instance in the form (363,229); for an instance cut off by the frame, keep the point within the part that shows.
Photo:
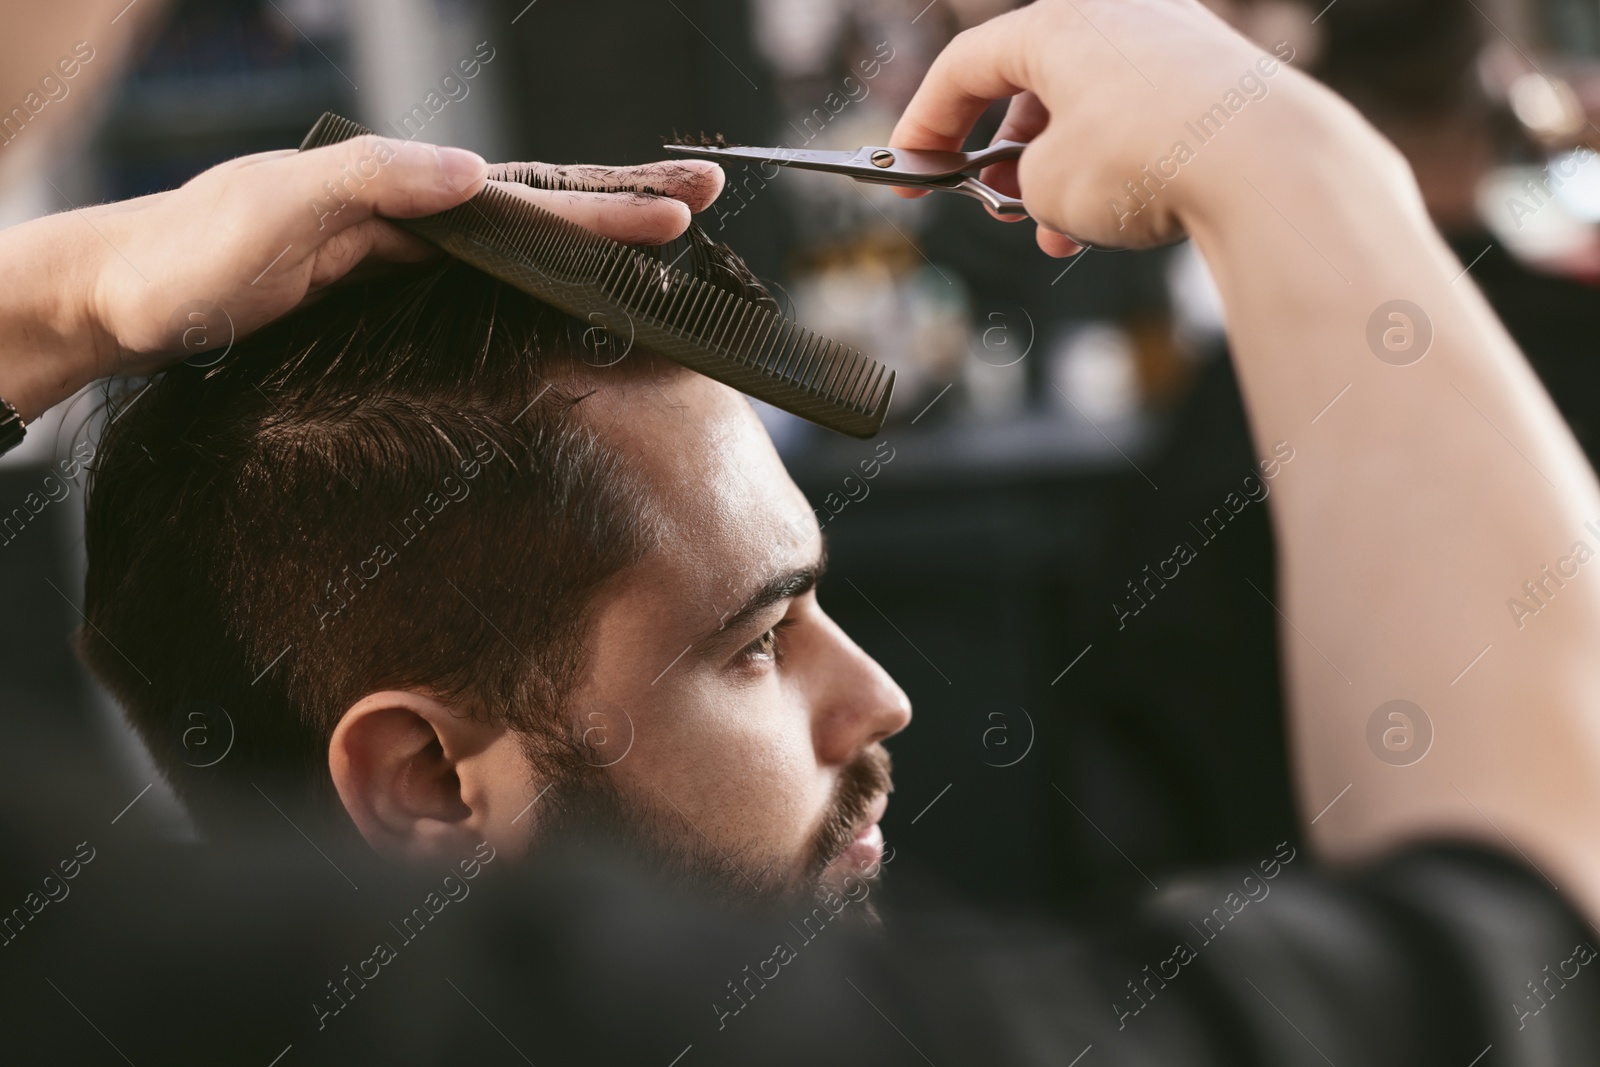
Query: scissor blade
(851,163)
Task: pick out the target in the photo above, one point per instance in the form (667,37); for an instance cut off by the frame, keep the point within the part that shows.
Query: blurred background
(1060,425)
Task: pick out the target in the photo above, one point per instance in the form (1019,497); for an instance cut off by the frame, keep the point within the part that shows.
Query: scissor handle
(998,152)
(997,201)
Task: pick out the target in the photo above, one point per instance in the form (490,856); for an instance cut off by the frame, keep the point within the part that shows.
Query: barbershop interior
(1059,543)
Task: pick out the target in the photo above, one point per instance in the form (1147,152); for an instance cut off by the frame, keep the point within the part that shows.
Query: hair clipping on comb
(702,139)
(704,327)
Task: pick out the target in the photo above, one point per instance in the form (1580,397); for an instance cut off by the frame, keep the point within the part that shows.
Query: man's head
(432,567)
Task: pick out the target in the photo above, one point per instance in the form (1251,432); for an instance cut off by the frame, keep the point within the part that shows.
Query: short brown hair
(382,490)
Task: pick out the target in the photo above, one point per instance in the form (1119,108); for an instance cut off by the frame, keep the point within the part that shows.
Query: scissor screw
(882,158)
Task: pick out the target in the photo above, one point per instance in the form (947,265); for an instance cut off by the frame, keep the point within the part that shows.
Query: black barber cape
(159,954)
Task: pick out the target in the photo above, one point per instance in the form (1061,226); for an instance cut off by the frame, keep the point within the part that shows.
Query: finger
(349,248)
(384,241)
(240,162)
(370,242)
(1026,118)
(323,191)
(632,218)
(695,182)
(1056,245)
(375,249)
(391,244)
(1002,178)
(978,67)
(993,214)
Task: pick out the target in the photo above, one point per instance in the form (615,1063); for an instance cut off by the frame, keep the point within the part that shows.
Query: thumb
(352,181)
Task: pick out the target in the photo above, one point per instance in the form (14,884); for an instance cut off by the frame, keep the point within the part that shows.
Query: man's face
(728,710)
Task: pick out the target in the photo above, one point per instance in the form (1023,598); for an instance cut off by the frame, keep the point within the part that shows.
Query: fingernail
(460,168)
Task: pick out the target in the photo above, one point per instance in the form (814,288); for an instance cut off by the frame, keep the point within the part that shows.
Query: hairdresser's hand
(1429,480)
(127,288)
(1104,89)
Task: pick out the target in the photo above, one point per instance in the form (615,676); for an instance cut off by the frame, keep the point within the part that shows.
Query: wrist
(1306,156)
(50,342)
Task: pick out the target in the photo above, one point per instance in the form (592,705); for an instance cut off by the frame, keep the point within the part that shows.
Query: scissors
(912,168)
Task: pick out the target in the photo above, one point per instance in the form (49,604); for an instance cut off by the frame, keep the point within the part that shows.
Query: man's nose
(858,704)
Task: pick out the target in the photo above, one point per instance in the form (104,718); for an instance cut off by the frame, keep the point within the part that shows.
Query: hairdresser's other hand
(1103,89)
(126,288)
(181,273)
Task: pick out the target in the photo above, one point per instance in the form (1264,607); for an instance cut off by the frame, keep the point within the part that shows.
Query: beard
(585,808)
(862,779)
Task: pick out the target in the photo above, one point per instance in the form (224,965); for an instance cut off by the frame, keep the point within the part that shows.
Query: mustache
(860,782)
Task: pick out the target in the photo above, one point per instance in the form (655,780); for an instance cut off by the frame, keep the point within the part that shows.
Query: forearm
(1420,499)
(48,346)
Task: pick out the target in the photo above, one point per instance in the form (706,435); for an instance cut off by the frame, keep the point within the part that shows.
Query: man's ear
(424,781)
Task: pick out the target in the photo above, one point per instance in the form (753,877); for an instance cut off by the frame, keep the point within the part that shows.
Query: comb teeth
(705,328)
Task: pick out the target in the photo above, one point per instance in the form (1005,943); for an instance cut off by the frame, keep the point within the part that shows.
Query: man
(1434,489)
(446,577)
(1290,244)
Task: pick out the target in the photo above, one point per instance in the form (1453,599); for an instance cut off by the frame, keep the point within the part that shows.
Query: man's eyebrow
(779,587)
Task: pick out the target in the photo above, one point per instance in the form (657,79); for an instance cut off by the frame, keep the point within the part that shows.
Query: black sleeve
(1447,954)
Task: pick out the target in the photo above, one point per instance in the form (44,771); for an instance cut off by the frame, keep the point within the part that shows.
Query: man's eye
(766,646)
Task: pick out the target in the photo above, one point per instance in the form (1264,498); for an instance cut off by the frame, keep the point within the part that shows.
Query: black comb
(702,326)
